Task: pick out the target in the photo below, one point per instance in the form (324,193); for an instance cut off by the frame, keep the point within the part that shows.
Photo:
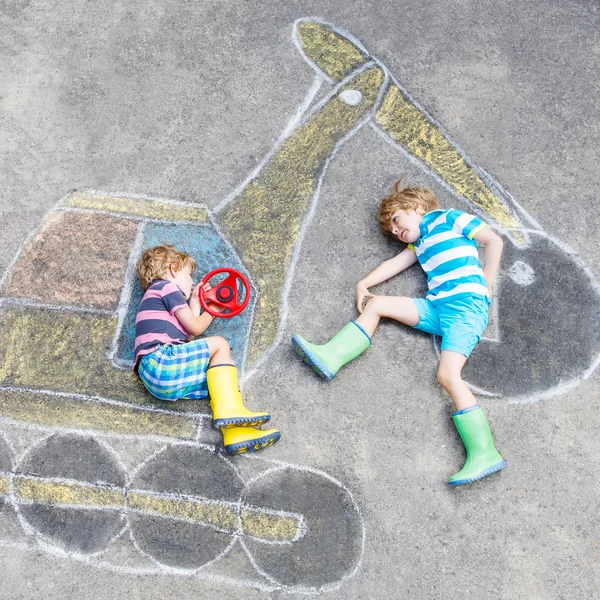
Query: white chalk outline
(125,294)
(15,301)
(157,562)
(296,40)
(126,291)
(280,466)
(129,216)
(55,548)
(565,385)
(192,416)
(501,195)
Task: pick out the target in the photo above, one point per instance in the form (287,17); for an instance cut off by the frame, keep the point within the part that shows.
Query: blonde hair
(407,198)
(155,262)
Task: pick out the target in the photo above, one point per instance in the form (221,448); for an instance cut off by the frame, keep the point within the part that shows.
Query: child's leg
(220,352)
(399,308)
(353,339)
(225,397)
(449,376)
(471,424)
(236,422)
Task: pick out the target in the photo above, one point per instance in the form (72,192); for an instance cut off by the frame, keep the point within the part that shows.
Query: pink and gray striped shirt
(156,323)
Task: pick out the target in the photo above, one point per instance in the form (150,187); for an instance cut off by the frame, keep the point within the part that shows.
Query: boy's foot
(327,359)
(241,440)
(251,420)
(309,354)
(226,400)
(482,457)
(461,478)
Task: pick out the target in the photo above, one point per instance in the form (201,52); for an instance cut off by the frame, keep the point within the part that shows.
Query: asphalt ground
(103,497)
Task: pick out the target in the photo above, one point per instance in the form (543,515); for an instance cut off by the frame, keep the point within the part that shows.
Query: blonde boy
(444,242)
(173,365)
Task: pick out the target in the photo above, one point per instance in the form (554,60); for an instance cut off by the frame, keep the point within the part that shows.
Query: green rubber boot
(482,456)
(327,359)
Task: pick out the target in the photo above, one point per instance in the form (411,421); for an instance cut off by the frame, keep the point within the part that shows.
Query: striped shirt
(448,254)
(155,322)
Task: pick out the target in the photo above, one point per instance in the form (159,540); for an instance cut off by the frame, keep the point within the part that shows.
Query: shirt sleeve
(173,298)
(464,223)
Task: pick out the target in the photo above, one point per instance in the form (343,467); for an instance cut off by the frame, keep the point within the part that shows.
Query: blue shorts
(460,323)
(175,371)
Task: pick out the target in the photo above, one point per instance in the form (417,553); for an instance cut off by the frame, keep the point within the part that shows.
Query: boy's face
(182,279)
(405,224)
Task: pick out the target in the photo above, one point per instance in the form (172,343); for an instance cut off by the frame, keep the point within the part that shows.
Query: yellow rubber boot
(226,400)
(240,440)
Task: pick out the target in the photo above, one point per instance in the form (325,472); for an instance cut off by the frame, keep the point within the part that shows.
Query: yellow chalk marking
(220,516)
(52,411)
(263,525)
(409,127)
(49,492)
(264,219)
(331,52)
(3,486)
(153,209)
(64,352)
(269,526)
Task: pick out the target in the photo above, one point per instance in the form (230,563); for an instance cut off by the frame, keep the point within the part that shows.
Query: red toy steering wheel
(224,293)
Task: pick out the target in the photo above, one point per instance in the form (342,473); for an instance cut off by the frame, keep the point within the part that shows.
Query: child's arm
(383,272)
(493,251)
(194,322)
(194,325)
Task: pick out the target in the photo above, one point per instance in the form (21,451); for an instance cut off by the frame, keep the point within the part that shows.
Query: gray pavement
(182,100)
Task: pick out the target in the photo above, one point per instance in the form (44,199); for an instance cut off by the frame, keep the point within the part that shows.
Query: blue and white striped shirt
(448,254)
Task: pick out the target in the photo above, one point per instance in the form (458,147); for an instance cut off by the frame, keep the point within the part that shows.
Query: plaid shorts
(175,371)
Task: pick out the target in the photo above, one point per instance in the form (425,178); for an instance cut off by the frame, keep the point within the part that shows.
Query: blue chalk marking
(210,251)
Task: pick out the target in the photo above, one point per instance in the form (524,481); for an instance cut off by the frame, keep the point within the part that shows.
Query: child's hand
(362,296)
(196,291)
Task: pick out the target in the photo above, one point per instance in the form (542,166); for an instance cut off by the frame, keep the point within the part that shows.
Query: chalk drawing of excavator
(69,404)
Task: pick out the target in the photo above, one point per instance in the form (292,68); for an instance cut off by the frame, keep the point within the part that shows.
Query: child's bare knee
(223,343)
(447,376)
(217,342)
(374,305)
